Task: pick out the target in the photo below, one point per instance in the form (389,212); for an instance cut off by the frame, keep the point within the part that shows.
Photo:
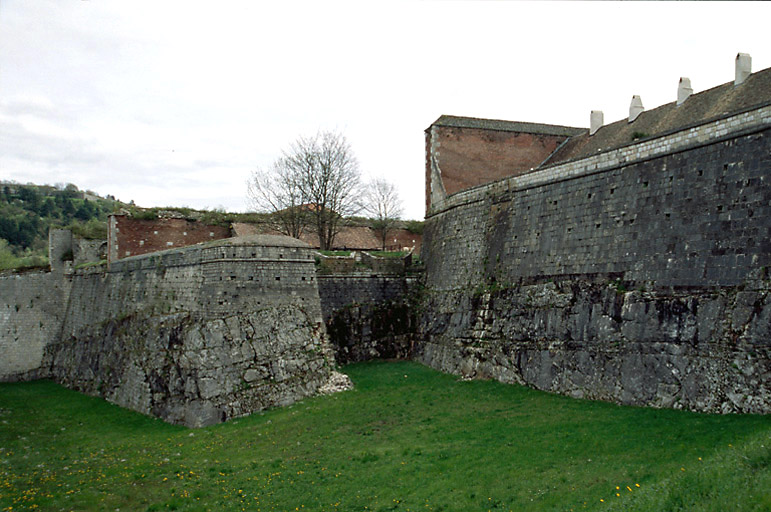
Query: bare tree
(277,191)
(383,205)
(314,185)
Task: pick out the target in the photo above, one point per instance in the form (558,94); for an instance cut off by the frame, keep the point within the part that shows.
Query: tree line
(27,212)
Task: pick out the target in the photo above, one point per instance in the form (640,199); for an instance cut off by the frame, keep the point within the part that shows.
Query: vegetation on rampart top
(216,217)
(406,438)
(28,211)
(388,254)
(10,259)
(349,262)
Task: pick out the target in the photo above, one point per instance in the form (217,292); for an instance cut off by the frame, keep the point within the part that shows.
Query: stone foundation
(703,350)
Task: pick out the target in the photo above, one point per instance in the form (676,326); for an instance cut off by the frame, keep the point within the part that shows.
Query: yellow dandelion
(637,485)
(617,494)
(602,500)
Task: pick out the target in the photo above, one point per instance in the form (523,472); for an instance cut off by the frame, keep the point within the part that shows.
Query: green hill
(27,212)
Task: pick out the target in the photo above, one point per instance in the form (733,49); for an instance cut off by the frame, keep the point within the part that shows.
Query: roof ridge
(509,126)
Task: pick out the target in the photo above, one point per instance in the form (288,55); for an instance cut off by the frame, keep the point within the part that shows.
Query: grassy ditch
(407,438)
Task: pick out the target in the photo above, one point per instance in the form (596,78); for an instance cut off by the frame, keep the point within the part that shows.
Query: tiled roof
(354,237)
(506,126)
(698,108)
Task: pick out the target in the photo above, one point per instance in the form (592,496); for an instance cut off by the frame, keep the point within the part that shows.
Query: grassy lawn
(388,254)
(407,438)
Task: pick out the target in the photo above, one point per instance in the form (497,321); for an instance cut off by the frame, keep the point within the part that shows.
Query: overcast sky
(175,103)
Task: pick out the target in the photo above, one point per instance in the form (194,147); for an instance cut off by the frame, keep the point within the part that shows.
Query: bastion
(195,335)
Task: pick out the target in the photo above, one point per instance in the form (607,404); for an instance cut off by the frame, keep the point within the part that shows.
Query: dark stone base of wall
(370,317)
(372,331)
(193,371)
(699,349)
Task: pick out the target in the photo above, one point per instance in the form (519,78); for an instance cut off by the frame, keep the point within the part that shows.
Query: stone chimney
(683,90)
(743,67)
(635,108)
(596,120)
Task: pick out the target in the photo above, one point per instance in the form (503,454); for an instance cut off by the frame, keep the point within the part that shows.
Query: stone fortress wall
(32,309)
(638,274)
(694,214)
(633,272)
(194,336)
(369,315)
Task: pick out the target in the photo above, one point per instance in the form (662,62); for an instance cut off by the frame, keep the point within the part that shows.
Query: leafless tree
(276,190)
(383,205)
(313,185)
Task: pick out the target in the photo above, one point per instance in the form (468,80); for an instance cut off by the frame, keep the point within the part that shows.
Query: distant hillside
(27,212)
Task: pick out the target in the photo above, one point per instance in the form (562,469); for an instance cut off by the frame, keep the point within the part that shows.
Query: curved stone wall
(598,277)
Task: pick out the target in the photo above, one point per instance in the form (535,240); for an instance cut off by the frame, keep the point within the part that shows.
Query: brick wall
(130,237)
(460,158)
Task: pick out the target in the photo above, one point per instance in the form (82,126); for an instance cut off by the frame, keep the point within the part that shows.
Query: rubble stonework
(706,350)
(369,316)
(193,336)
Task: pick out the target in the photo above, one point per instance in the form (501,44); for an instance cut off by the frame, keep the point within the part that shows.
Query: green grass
(407,438)
(388,254)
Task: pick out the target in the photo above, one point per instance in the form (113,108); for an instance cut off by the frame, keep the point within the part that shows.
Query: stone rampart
(369,316)
(200,334)
(197,335)
(696,217)
(685,214)
(32,309)
(699,349)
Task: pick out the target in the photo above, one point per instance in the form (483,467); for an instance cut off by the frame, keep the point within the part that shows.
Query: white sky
(175,103)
